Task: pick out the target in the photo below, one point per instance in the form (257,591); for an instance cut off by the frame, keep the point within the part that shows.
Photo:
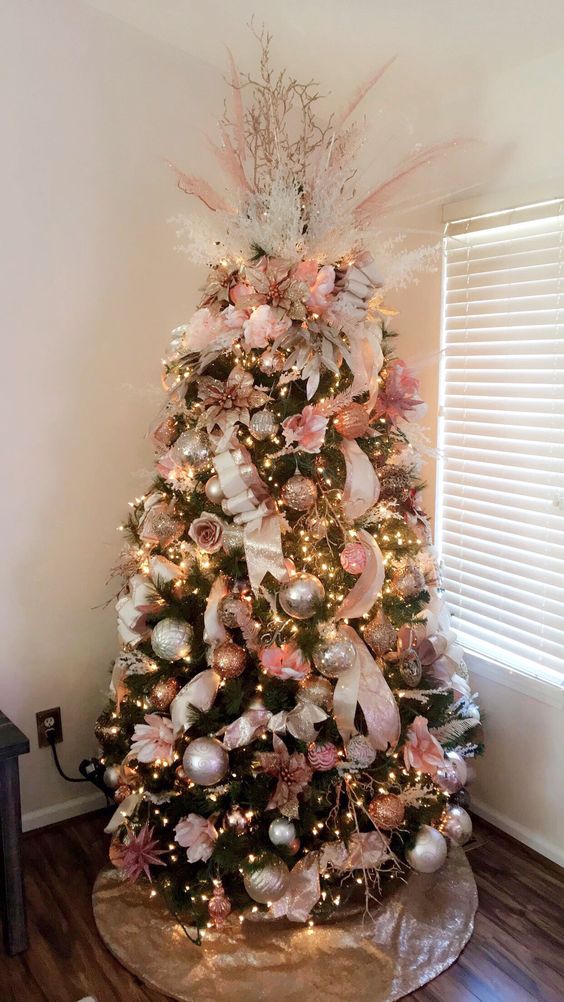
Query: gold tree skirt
(418,932)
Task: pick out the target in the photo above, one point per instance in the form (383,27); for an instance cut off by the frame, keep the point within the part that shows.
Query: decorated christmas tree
(290,721)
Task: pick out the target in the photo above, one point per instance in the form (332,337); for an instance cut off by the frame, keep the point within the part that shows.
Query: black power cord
(91,768)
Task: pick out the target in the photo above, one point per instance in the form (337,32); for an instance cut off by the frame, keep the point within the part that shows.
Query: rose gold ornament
(322,757)
(263,425)
(228,660)
(121,793)
(161,527)
(181,776)
(395,483)
(105,731)
(316,690)
(353,558)
(213,490)
(163,693)
(380,635)
(230,609)
(271,362)
(318,526)
(219,906)
(352,422)
(408,581)
(299,493)
(386,810)
(294,846)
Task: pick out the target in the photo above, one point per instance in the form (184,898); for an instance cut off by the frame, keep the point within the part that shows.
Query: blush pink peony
(306,429)
(154,739)
(263,326)
(421,750)
(197,835)
(321,292)
(285,662)
(203,328)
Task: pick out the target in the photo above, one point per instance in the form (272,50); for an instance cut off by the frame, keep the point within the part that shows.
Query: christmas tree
(290,720)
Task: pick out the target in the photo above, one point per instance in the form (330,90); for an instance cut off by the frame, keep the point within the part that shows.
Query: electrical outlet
(49,720)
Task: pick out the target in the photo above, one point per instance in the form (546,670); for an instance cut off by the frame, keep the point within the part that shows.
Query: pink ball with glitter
(353,558)
(322,757)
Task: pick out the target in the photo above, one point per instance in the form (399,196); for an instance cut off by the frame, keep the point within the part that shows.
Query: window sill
(544,690)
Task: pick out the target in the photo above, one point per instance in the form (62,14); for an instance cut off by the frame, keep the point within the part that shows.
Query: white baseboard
(529,838)
(61,812)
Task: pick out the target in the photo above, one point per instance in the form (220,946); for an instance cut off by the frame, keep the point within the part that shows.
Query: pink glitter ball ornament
(353,558)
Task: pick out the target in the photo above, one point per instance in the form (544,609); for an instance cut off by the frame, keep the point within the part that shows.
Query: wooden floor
(515,955)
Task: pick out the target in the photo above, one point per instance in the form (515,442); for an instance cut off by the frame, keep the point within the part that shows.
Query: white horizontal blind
(501,489)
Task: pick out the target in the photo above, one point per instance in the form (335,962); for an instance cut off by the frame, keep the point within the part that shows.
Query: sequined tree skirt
(418,932)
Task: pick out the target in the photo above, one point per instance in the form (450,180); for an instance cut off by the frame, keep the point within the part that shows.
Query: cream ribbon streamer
(365,684)
(362,487)
(200,692)
(364,593)
(303,891)
(214,630)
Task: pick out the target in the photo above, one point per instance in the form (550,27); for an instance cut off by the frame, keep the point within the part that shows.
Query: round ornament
(428,851)
(395,483)
(316,690)
(455,764)
(458,825)
(105,731)
(299,493)
(122,792)
(294,846)
(323,756)
(205,761)
(461,799)
(387,811)
(281,831)
(318,526)
(353,558)
(268,883)
(213,490)
(410,669)
(236,819)
(301,597)
(233,538)
(263,425)
(112,776)
(163,693)
(352,422)
(408,582)
(171,639)
(228,660)
(163,527)
(271,362)
(380,635)
(333,657)
(229,609)
(192,448)
(361,751)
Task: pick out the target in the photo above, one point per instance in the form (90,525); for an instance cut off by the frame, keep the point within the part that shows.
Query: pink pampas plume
(196,186)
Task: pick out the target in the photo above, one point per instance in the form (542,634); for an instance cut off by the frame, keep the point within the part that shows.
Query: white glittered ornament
(171,639)
(192,448)
(361,751)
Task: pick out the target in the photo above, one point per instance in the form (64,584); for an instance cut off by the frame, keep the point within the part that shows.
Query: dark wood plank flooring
(515,955)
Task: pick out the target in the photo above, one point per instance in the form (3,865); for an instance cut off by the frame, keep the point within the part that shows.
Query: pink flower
(286,662)
(399,393)
(154,739)
(292,772)
(203,328)
(421,750)
(263,326)
(320,292)
(139,854)
(307,429)
(233,319)
(306,271)
(353,558)
(207,532)
(197,835)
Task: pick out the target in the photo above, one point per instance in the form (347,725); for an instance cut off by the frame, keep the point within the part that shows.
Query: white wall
(91,286)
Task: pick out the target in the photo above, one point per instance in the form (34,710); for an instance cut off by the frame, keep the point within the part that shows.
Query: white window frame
(545,688)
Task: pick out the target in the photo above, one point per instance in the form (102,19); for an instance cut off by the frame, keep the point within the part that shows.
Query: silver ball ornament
(213,490)
(112,776)
(281,831)
(458,825)
(428,852)
(301,596)
(333,657)
(268,883)
(263,425)
(192,448)
(361,751)
(171,639)
(205,761)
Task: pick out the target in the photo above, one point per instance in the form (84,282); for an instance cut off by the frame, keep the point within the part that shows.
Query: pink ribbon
(365,684)
(303,891)
(367,359)
(214,630)
(199,692)
(246,728)
(362,487)
(299,722)
(365,850)
(364,593)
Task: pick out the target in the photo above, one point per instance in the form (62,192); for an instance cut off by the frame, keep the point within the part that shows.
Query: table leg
(13,903)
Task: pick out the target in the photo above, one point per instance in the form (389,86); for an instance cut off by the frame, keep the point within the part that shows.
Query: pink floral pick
(421,750)
(293,774)
(154,739)
(306,429)
(263,326)
(140,853)
(399,393)
(321,291)
(285,662)
(197,835)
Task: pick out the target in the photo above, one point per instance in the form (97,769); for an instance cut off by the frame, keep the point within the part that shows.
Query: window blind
(501,431)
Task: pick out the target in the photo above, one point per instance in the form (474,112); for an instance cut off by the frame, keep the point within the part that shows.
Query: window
(501,436)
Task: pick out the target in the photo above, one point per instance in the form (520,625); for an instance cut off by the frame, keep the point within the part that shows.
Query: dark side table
(12,744)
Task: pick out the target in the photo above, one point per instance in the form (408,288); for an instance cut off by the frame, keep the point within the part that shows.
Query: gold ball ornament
(105,731)
(263,425)
(299,493)
(163,693)
(316,690)
(352,422)
(333,657)
(228,660)
(162,527)
(386,811)
(380,635)
(302,596)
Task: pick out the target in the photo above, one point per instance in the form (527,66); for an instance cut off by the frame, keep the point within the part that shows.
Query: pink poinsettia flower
(154,739)
(421,750)
(203,328)
(306,429)
(286,662)
(263,326)
(321,292)
(197,835)
(293,774)
(140,852)
(399,394)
